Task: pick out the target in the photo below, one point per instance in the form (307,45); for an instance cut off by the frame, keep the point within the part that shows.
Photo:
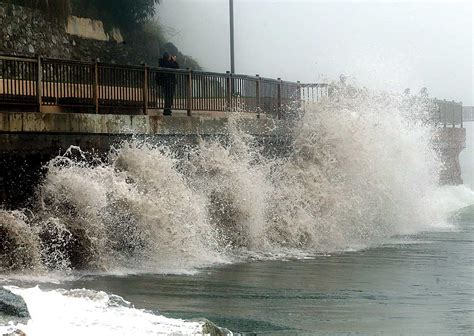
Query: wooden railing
(36,83)
(100,88)
(468,113)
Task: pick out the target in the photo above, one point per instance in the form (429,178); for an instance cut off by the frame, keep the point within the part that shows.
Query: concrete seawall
(211,123)
(29,140)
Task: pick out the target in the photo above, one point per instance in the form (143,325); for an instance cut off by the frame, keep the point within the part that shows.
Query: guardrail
(468,113)
(312,93)
(449,113)
(36,83)
(98,87)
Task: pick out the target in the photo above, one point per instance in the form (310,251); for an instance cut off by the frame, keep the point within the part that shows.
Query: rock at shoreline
(12,307)
(211,329)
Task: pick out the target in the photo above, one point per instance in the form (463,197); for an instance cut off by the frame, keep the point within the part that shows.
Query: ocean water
(347,233)
(420,284)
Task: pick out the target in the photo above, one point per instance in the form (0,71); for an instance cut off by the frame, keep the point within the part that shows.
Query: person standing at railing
(168,81)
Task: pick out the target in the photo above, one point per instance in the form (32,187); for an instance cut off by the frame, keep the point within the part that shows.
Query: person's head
(343,78)
(166,56)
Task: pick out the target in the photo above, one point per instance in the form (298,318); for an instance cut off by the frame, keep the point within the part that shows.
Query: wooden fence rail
(468,113)
(450,113)
(34,83)
(39,82)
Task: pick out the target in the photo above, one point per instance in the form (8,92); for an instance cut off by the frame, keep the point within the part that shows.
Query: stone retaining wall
(28,32)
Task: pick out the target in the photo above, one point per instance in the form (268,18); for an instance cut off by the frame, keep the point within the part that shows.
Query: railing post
(279,99)
(39,84)
(145,89)
(229,91)
(189,93)
(440,118)
(298,94)
(257,95)
(445,114)
(96,86)
(453,114)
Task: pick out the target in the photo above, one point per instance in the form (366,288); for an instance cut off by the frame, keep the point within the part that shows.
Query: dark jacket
(164,78)
(168,64)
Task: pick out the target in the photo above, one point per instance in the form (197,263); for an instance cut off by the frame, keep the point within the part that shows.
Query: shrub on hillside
(126,14)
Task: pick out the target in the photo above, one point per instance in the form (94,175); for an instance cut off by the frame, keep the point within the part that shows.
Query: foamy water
(88,312)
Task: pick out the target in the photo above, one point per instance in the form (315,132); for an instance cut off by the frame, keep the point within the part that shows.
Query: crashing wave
(360,168)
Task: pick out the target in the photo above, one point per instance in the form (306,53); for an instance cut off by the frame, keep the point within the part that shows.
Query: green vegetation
(126,14)
(57,10)
(155,30)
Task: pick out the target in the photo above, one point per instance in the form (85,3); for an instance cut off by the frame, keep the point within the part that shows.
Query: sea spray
(233,180)
(19,244)
(360,168)
(136,207)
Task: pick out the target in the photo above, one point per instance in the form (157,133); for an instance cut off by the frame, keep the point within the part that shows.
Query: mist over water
(360,170)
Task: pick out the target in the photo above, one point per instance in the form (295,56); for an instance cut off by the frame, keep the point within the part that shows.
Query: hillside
(75,29)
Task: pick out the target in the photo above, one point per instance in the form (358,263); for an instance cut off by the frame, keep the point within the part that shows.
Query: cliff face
(28,32)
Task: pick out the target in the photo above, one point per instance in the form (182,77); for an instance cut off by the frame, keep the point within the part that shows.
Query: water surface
(421,284)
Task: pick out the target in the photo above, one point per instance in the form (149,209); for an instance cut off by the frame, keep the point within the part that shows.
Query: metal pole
(231,16)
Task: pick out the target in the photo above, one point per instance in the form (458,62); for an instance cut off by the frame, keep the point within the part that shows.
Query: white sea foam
(361,168)
(87,312)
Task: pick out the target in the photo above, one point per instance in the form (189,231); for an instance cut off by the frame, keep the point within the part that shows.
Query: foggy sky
(380,44)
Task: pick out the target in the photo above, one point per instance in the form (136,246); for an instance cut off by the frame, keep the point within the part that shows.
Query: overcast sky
(382,44)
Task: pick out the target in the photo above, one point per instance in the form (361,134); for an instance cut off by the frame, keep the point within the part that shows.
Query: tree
(123,13)
(54,9)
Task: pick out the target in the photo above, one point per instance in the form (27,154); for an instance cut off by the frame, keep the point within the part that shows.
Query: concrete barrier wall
(449,142)
(27,122)
(30,140)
